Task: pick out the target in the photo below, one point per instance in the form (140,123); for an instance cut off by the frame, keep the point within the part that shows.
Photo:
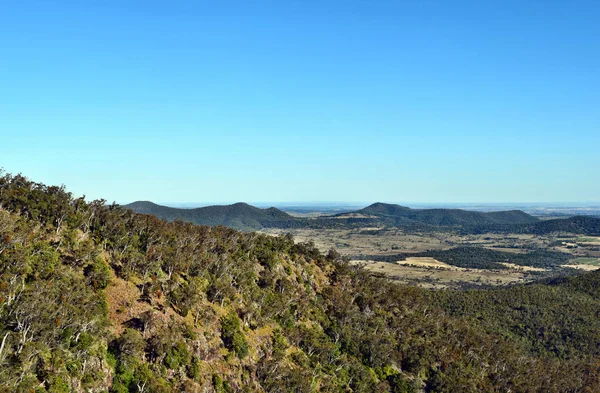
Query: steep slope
(558,318)
(239,216)
(96,298)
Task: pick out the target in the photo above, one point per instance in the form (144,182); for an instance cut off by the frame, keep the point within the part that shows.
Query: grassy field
(439,277)
(389,241)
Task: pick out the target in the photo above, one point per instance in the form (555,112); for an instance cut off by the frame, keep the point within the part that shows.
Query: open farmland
(389,251)
(438,277)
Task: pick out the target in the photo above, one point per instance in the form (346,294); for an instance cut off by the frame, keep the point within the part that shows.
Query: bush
(98,274)
(232,336)
(177,356)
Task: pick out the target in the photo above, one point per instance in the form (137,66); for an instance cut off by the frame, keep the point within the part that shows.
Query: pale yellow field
(430,277)
(523,268)
(582,266)
(389,241)
(427,262)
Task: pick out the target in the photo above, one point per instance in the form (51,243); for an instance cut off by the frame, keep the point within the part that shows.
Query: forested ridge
(96,298)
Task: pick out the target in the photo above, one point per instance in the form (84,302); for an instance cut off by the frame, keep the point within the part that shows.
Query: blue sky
(223,101)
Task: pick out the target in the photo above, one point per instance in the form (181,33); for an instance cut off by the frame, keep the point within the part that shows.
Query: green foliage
(177,356)
(42,260)
(232,336)
(559,319)
(58,384)
(98,274)
(130,345)
(220,385)
(398,384)
(279,344)
(193,369)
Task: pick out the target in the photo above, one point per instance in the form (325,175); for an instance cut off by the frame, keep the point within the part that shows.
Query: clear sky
(313,100)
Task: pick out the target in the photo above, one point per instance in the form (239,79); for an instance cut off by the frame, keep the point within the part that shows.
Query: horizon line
(361,203)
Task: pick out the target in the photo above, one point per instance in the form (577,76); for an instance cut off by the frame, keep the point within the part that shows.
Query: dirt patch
(123,305)
(427,262)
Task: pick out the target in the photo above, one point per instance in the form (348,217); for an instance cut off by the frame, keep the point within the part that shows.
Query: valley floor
(361,245)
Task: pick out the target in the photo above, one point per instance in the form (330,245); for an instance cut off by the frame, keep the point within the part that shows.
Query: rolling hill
(239,216)
(398,215)
(242,216)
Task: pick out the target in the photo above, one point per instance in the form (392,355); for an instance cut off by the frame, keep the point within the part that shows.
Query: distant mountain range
(247,217)
(243,216)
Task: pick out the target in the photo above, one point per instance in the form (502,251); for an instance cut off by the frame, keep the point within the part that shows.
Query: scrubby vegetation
(96,298)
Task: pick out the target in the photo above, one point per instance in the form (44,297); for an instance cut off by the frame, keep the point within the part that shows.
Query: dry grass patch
(523,268)
(582,266)
(427,262)
(122,298)
(433,277)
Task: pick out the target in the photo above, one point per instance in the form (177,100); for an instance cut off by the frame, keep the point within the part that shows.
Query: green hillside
(96,298)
